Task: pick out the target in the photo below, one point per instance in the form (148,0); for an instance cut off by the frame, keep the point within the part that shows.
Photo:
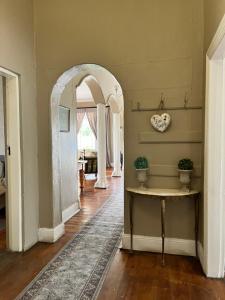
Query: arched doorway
(106,91)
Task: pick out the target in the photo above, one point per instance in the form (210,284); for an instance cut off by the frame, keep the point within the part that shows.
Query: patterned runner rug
(78,271)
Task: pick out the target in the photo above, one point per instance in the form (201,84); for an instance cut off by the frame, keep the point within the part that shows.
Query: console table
(163,195)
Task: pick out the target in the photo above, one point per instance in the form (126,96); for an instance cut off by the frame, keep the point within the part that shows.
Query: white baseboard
(69,212)
(154,244)
(51,235)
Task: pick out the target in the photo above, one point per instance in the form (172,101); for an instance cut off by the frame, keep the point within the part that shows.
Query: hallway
(18,270)
(137,276)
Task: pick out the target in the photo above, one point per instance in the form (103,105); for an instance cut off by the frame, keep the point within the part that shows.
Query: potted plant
(141,166)
(185,168)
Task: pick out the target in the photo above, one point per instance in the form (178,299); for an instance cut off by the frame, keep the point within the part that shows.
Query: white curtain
(92,119)
(80,117)
(91,114)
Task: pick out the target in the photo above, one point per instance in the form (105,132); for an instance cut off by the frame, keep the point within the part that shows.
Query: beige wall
(69,193)
(81,104)
(17,54)
(151,47)
(214,11)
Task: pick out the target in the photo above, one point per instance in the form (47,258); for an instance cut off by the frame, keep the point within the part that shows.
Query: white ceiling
(83,93)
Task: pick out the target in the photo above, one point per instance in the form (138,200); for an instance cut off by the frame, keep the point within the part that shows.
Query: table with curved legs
(163,195)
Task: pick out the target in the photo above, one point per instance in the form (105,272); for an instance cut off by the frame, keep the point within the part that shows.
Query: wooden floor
(17,270)
(138,276)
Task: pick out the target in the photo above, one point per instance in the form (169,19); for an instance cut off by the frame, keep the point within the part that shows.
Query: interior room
(112,179)
(87,134)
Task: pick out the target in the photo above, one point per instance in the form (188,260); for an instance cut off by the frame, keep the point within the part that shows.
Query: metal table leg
(131,221)
(163,208)
(196,223)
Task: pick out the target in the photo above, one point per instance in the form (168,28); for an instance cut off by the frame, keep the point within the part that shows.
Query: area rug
(78,271)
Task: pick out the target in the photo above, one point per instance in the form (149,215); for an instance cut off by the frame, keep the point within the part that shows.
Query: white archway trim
(214,174)
(95,89)
(77,74)
(13,159)
(113,103)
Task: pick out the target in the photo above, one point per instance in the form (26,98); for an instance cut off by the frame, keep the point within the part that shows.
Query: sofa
(91,167)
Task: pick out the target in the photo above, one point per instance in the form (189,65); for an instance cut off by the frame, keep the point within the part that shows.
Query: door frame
(214,157)
(14,224)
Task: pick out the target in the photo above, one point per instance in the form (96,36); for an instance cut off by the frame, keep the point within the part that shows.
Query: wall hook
(186,100)
(162,102)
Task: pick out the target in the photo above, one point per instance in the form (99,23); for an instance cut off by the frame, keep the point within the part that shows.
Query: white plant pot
(185,179)
(142,177)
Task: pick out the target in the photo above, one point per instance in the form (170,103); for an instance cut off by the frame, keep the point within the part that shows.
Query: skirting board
(69,212)
(154,244)
(51,235)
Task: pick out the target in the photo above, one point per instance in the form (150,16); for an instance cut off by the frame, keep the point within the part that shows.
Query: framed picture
(64,119)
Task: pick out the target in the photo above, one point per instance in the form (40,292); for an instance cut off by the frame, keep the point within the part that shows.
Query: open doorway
(10,163)
(214,158)
(103,105)
(87,138)
(87,147)
(2,172)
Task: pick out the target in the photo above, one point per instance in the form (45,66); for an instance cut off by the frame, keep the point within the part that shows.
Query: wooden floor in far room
(138,276)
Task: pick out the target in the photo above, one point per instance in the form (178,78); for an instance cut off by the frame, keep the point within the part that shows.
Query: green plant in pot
(141,166)
(185,169)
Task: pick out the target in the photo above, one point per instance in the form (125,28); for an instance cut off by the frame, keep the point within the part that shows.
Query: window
(86,138)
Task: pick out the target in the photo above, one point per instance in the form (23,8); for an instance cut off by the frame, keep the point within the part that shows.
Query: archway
(105,90)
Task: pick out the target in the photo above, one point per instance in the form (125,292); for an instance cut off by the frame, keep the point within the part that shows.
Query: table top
(161,192)
(82,161)
(2,190)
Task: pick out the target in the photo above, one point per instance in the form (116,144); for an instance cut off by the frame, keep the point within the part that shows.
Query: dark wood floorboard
(141,276)
(18,269)
(138,276)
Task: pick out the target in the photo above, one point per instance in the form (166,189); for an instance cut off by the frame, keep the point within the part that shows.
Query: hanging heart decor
(161,123)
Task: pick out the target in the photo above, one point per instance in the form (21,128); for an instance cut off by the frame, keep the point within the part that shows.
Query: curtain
(92,119)
(108,138)
(80,117)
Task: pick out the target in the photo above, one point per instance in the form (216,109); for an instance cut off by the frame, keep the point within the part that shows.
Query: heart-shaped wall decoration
(161,123)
